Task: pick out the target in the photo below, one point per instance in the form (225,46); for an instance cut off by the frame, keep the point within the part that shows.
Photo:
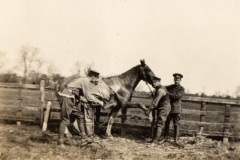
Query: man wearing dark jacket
(176,92)
(161,104)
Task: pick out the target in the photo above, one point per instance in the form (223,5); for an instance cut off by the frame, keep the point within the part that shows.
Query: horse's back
(102,90)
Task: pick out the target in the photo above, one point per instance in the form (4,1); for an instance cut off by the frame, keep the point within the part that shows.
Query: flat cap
(177,75)
(93,72)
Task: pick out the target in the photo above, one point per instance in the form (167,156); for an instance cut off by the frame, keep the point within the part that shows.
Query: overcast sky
(198,38)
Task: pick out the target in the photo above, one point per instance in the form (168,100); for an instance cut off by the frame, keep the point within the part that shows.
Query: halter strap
(145,78)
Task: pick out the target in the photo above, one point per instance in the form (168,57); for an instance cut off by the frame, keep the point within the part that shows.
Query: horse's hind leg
(112,116)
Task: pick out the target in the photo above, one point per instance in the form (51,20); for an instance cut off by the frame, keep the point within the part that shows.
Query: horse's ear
(143,63)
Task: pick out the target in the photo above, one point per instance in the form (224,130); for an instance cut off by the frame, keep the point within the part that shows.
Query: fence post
(46,116)
(226,123)
(42,107)
(19,111)
(202,117)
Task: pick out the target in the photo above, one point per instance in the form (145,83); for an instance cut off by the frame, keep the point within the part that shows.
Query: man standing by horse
(75,94)
(176,92)
(161,103)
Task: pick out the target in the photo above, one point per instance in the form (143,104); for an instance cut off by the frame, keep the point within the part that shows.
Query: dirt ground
(28,142)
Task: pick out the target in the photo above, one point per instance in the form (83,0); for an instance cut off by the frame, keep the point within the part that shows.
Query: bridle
(145,77)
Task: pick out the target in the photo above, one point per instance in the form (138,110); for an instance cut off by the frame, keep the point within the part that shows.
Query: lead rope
(150,90)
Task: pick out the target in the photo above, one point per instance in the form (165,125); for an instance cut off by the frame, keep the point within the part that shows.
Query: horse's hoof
(107,136)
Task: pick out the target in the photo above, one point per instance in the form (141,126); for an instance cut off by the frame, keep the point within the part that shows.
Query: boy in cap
(161,103)
(74,91)
(176,92)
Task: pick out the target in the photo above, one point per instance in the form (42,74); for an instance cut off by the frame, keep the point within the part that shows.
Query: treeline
(33,67)
(30,63)
(212,96)
(31,79)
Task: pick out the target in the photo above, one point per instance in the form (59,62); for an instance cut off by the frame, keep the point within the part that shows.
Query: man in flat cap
(74,95)
(176,92)
(161,103)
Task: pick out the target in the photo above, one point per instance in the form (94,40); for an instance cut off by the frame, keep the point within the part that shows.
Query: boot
(61,134)
(166,133)
(61,143)
(157,139)
(84,139)
(81,127)
(176,136)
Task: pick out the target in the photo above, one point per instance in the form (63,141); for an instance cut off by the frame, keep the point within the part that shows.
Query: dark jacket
(176,93)
(160,102)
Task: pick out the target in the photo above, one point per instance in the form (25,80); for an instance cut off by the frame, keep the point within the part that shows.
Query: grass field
(28,142)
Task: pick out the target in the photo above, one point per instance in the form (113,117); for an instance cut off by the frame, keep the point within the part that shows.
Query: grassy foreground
(28,142)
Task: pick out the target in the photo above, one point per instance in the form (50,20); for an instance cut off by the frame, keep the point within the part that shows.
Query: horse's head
(146,73)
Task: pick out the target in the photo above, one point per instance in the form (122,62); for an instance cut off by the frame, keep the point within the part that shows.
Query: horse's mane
(132,70)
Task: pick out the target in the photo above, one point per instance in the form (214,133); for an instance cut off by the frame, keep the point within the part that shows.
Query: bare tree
(217,93)
(29,58)
(77,67)
(39,64)
(51,69)
(237,91)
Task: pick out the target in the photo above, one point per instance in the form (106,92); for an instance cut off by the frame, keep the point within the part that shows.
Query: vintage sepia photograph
(120,80)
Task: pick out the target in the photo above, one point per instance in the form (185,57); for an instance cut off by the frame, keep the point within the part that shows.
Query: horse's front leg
(113,115)
(138,105)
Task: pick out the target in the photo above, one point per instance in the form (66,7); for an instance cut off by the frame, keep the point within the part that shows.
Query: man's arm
(89,96)
(168,87)
(178,94)
(159,94)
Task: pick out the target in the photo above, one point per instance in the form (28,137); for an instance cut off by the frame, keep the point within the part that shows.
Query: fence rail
(201,115)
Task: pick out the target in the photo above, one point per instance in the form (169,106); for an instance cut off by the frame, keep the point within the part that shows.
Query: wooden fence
(18,103)
(211,117)
(200,115)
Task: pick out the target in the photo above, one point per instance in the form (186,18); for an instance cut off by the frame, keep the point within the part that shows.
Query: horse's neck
(125,82)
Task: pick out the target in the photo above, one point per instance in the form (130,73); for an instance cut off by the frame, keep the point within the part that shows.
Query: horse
(117,90)
(123,86)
